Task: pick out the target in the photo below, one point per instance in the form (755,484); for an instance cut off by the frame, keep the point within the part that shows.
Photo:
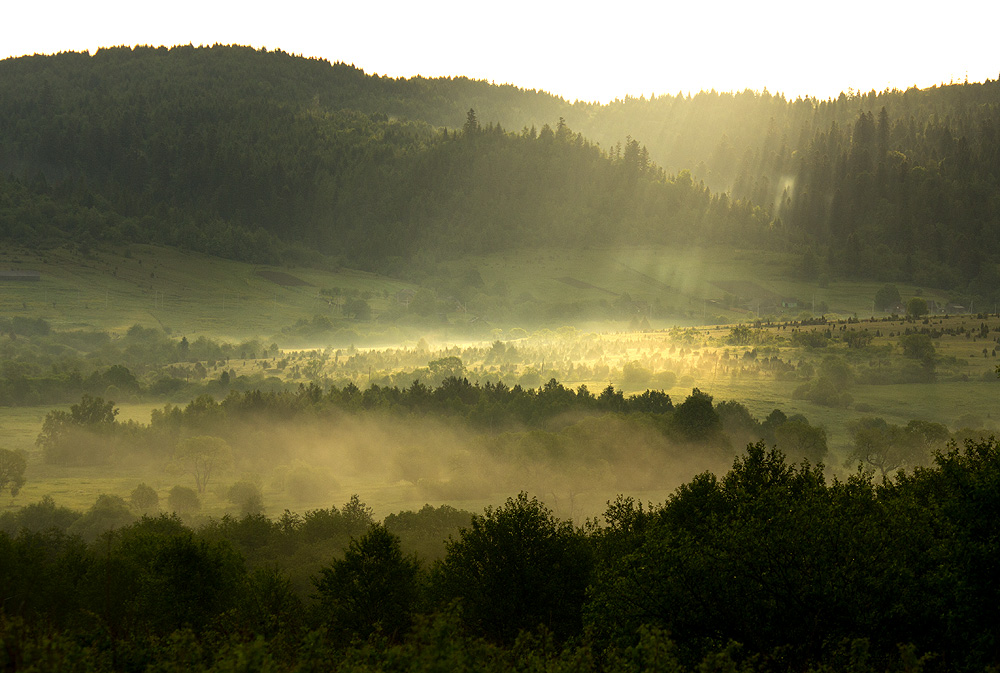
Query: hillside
(267,157)
(259,157)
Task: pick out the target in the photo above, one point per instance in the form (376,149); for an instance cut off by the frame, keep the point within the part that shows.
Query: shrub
(144,499)
(247,496)
(183,500)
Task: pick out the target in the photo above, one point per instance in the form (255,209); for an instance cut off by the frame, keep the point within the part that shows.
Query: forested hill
(243,153)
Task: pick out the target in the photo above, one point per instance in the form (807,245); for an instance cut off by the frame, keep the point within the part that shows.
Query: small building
(20,274)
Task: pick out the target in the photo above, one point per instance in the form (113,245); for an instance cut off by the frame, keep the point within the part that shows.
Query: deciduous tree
(799,440)
(12,467)
(916,307)
(183,500)
(202,457)
(695,418)
(887,297)
(373,588)
(144,499)
(80,437)
(515,568)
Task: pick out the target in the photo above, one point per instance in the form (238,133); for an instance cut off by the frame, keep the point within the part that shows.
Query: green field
(570,303)
(183,292)
(690,284)
(194,294)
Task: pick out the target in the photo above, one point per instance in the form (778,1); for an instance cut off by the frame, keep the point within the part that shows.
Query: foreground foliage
(766,568)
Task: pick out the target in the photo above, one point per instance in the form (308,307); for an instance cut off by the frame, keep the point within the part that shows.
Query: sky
(580,51)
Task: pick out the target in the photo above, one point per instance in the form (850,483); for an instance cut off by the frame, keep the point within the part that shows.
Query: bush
(41,516)
(144,499)
(247,496)
(635,376)
(183,500)
(824,392)
(12,466)
(108,513)
(810,339)
(918,347)
(306,483)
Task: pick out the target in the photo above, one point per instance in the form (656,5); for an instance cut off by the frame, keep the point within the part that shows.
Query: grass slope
(689,284)
(184,292)
(194,294)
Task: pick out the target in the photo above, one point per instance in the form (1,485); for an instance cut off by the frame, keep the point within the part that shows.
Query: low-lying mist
(576,464)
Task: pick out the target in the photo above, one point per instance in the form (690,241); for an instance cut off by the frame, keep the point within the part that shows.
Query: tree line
(40,365)
(258,156)
(768,567)
(264,156)
(520,420)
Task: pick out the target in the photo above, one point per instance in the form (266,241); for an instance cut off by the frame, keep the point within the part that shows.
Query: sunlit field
(183,292)
(395,467)
(192,294)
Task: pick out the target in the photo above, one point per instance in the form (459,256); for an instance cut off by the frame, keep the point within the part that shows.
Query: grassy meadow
(192,294)
(181,292)
(572,316)
(690,285)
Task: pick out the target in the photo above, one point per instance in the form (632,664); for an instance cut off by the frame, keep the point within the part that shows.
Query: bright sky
(581,51)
